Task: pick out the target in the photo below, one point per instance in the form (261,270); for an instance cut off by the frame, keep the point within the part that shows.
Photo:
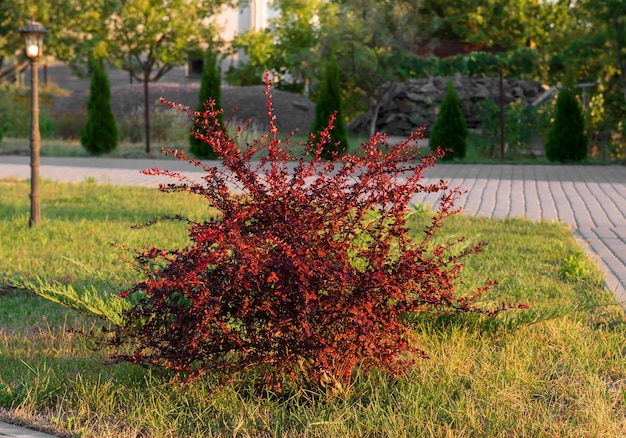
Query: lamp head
(33,34)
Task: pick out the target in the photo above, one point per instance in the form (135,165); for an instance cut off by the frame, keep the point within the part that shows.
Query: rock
(479,92)
(429,87)
(360,124)
(416,97)
(403,107)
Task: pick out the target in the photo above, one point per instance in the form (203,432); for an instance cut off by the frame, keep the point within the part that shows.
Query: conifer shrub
(100,134)
(450,130)
(210,88)
(567,141)
(328,103)
(306,275)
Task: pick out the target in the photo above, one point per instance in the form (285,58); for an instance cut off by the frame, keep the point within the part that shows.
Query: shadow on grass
(608,315)
(98,203)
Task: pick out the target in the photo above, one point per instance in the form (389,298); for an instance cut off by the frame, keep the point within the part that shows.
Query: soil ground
(293,111)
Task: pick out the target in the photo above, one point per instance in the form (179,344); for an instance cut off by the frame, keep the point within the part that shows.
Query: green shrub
(450,130)
(482,64)
(408,65)
(68,125)
(451,65)
(167,127)
(520,122)
(328,104)
(567,141)
(243,75)
(131,128)
(46,124)
(100,134)
(210,88)
(618,142)
(488,145)
(164,127)
(15,112)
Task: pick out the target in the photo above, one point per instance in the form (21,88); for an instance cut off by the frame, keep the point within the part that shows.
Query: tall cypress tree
(329,101)
(450,130)
(567,141)
(100,134)
(210,87)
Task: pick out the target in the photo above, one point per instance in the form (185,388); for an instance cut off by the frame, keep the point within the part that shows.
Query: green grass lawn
(557,369)
(72,148)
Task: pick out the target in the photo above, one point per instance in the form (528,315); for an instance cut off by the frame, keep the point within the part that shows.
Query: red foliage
(306,273)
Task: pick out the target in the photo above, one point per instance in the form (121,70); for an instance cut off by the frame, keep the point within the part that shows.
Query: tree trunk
(146,95)
(500,76)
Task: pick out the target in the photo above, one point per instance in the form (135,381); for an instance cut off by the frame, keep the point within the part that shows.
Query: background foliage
(374,42)
(377,41)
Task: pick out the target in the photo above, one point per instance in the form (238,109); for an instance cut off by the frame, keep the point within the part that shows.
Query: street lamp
(34,34)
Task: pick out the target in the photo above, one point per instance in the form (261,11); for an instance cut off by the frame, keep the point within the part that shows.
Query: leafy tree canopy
(77,29)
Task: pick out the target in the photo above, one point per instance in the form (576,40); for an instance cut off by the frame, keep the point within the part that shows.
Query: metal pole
(35,144)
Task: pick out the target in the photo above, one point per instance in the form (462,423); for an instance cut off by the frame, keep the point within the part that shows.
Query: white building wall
(236,20)
(233,21)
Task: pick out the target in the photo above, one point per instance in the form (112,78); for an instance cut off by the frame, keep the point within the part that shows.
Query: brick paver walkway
(591,199)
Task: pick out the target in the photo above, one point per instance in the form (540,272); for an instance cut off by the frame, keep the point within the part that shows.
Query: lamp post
(34,34)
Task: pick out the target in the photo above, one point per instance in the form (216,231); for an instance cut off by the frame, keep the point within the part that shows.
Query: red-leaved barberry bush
(308,271)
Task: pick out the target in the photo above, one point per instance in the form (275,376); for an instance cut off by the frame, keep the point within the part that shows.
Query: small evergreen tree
(210,88)
(450,130)
(567,141)
(329,102)
(100,134)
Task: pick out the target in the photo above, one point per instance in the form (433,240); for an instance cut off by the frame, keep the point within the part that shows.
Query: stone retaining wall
(403,107)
